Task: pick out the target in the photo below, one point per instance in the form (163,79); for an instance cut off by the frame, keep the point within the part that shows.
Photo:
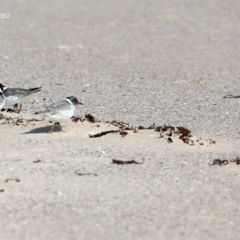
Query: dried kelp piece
(164,128)
(85,174)
(219,162)
(225,162)
(90,118)
(2,190)
(152,126)
(12,179)
(103,133)
(169,134)
(10,110)
(37,161)
(122,125)
(119,123)
(128,128)
(231,96)
(123,162)
(123,133)
(236,160)
(184,133)
(76,119)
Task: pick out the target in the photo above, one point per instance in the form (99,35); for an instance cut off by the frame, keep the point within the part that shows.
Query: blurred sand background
(168,62)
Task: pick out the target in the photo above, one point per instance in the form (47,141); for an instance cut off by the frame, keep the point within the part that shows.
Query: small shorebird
(16,96)
(60,111)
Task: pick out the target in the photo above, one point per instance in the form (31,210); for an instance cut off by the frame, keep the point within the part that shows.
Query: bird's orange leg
(51,130)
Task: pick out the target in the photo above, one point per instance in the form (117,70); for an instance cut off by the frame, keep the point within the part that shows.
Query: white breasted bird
(16,96)
(60,111)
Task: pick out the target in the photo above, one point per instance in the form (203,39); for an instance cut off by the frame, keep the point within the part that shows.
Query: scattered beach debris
(150,127)
(167,132)
(123,162)
(122,125)
(236,160)
(37,161)
(12,179)
(170,132)
(90,118)
(123,133)
(219,162)
(17,121)
(10,110)
(231,96)
(225,162)
(103,133)
(183,133)
(85,174)
(126,126)
(2,190)
(76,119)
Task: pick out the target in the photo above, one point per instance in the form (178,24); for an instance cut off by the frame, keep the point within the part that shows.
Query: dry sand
(168,62)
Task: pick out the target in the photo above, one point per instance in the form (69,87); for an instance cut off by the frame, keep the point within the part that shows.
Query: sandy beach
(139,62)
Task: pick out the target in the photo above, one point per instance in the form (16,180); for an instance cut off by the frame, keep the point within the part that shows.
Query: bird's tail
(34,90)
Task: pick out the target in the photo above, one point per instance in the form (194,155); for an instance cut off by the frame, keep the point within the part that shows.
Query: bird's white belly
(12,100)
(2,102)
(60,116)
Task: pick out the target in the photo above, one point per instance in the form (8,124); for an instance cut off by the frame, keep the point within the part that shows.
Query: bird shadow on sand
(43,130)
